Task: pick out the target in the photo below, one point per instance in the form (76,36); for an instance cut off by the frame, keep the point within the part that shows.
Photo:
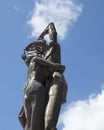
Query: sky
(80,27)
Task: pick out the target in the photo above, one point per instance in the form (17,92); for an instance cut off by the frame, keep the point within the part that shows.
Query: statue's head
(38,45)
(33,49)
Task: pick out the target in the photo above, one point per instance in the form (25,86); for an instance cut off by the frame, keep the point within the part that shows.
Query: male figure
(55,82)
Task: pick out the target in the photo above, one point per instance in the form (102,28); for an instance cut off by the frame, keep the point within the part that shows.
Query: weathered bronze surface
(46,87)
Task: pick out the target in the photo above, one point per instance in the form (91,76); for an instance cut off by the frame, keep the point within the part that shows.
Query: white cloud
(85,115)
(62,12)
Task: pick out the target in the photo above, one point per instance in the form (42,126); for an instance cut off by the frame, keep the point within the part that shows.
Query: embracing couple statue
(46,88)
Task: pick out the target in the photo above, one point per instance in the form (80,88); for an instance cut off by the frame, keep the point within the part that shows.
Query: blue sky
(82,53)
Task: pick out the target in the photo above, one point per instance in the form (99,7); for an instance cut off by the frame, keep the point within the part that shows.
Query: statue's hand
(40,38)
(25,86)
(23,56)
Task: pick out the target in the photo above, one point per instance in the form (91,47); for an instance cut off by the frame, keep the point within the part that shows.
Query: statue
(46,88)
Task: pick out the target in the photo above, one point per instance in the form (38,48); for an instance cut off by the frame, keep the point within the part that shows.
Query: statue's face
(41,49)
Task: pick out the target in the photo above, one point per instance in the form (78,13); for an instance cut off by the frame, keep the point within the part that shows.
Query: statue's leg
(38,107)
(27,108)
(52,112)
(54,102)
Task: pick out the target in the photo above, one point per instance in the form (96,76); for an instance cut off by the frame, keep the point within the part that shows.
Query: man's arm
(49,64)
(50,29)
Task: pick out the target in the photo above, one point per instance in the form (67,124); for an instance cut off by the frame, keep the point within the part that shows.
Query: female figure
(34,90)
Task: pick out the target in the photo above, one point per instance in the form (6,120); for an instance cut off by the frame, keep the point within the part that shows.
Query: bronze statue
(46,87)
(34,91)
